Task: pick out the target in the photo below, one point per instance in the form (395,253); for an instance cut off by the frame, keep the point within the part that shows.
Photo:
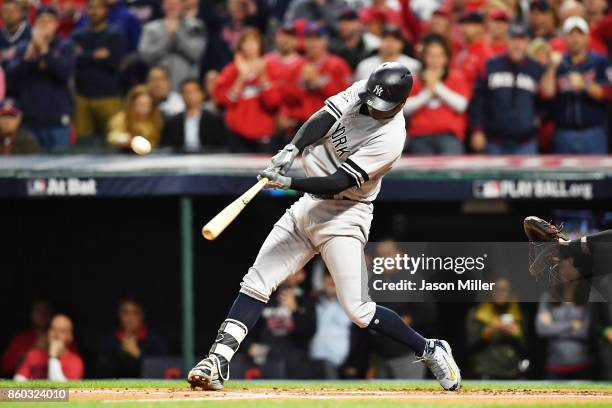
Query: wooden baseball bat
(215,227)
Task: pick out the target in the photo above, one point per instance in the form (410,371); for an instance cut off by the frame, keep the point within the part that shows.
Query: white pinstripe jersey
(363,147)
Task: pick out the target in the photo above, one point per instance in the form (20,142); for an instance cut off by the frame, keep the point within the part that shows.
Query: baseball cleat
(439,359)
(205,374)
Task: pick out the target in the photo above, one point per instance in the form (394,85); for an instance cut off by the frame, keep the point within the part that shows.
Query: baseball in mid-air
(140,145)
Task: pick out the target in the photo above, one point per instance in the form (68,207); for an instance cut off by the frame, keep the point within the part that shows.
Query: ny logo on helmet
(378,90)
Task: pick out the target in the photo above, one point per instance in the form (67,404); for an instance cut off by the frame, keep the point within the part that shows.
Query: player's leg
(284,252)
(343,256)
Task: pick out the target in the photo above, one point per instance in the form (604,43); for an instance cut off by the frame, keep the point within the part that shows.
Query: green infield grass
(311,394)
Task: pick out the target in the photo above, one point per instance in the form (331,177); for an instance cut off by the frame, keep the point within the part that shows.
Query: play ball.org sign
(61,187)
(525,189)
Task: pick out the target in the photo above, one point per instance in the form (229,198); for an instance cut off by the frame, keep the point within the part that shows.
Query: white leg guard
(230,335)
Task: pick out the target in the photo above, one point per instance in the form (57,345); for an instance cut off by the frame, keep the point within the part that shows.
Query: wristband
(291,148)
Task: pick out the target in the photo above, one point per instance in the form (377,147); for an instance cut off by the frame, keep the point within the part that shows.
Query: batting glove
(283,160)
(275,180)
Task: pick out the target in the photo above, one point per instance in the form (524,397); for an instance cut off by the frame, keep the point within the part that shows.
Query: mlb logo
(37,187)
(487,189)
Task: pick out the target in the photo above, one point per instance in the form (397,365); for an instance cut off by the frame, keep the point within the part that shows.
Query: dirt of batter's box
(463,396)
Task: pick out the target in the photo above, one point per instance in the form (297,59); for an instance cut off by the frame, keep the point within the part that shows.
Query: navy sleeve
(333,184)
(313,130)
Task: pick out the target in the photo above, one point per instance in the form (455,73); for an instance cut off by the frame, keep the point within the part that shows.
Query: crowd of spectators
(48,350)
(491,76)
(574,334)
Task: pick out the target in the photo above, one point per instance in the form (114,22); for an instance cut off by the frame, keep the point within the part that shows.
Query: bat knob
(208,234)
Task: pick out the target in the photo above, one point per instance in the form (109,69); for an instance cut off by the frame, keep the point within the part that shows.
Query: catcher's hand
(283,160)
(275,180)
(543,247)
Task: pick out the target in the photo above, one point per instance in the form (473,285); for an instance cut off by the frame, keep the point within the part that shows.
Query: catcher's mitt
(543,247)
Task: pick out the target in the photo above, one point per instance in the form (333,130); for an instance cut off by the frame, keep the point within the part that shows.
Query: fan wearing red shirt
(470,60)
(437,104)
(321,76)
(249,96)
(285,64)
(57,362)
(36,336)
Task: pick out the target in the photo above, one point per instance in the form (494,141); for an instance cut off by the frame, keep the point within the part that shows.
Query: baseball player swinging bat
(215,227)
(347,147)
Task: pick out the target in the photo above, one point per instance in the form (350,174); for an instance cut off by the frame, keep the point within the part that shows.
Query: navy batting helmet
(388,86)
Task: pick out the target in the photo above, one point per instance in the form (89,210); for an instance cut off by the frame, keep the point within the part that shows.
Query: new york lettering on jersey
(339,140)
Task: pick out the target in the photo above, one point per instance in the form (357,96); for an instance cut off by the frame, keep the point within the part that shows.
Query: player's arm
(310,132)
(332,184)
(316,127)
(313,130)
(374,158)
